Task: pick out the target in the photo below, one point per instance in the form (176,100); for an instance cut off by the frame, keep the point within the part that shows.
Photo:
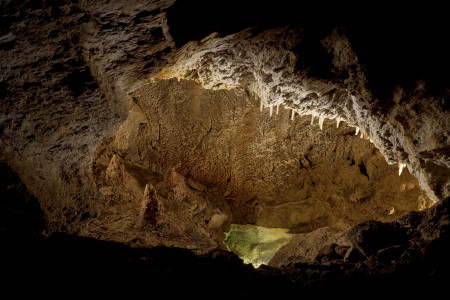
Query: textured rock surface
(248,166)
(263,65)
(67,69)
(63,71)
(307,247)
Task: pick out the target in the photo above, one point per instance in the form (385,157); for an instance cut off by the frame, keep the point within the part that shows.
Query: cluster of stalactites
(314,115)
(321,118)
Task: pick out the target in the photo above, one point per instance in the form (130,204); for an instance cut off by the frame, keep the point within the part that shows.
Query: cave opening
(191,165)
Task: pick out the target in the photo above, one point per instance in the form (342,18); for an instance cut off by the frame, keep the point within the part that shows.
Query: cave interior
(224,148)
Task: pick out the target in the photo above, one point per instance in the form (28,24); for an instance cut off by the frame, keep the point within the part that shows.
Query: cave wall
(235,164)
(69,71)
(263,65)
(63,71)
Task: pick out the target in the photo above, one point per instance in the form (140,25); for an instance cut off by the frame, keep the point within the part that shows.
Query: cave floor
(70,265)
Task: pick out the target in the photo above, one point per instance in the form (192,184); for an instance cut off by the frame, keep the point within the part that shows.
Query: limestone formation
(267,68)
(306,247)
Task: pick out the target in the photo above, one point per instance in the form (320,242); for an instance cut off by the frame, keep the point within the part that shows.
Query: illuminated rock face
(268,68)
(256,245)
(309,247)
(236,165)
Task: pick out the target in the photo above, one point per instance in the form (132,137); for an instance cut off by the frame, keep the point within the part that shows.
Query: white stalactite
(312,119)
(321,118)
(292,114)
(362,135)
(338,120)
(357,131)
(271,109)
(278,107)
(401,166)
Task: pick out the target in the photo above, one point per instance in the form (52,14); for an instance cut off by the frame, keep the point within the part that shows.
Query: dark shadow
(396,45)
(19,210)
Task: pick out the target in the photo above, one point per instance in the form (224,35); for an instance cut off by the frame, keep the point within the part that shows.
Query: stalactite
(338,120)
(321,119)
(401,166)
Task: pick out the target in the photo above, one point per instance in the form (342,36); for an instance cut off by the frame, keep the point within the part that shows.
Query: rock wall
(236,165)
(267,64)
(64,67)
(410,248)
(73,81)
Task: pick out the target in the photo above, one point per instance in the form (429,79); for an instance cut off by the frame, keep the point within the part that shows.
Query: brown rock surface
(268,171)
(102,75)
(306,247)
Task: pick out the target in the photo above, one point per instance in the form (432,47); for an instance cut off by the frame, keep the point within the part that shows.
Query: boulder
(391,254)
(371,236)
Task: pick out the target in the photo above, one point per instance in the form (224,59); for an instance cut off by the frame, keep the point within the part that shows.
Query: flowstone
(256,245)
